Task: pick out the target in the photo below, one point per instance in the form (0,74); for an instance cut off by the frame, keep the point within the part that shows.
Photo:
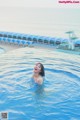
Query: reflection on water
(58,98)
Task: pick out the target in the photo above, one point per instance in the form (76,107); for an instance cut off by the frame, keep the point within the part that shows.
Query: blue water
(57,99)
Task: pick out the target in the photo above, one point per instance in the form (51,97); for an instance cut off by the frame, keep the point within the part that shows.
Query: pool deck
(49,47)
(9,47)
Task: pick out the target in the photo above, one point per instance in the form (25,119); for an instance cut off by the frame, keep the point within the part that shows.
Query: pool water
(57,99)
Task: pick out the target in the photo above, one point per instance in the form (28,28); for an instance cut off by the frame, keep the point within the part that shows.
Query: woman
(38,73)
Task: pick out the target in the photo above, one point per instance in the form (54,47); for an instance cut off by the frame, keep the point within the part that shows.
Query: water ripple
(57,98)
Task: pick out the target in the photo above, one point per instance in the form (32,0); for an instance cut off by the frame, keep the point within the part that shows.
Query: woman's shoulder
(40,79)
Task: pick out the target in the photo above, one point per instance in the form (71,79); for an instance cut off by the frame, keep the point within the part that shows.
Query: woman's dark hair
(42,73)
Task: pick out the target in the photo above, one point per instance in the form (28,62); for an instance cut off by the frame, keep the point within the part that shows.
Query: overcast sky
(36,3)
(28,3)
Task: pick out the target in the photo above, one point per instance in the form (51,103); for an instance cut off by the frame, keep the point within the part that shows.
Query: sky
(37,3)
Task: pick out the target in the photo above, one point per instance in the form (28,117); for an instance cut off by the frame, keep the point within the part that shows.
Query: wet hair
(42,73)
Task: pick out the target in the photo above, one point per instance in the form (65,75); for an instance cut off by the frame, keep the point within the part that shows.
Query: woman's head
(39,68)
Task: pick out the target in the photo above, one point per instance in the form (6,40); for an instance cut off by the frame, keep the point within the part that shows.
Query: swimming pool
(57,99)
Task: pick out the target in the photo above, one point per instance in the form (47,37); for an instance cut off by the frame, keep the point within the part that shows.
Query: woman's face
(37,68)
